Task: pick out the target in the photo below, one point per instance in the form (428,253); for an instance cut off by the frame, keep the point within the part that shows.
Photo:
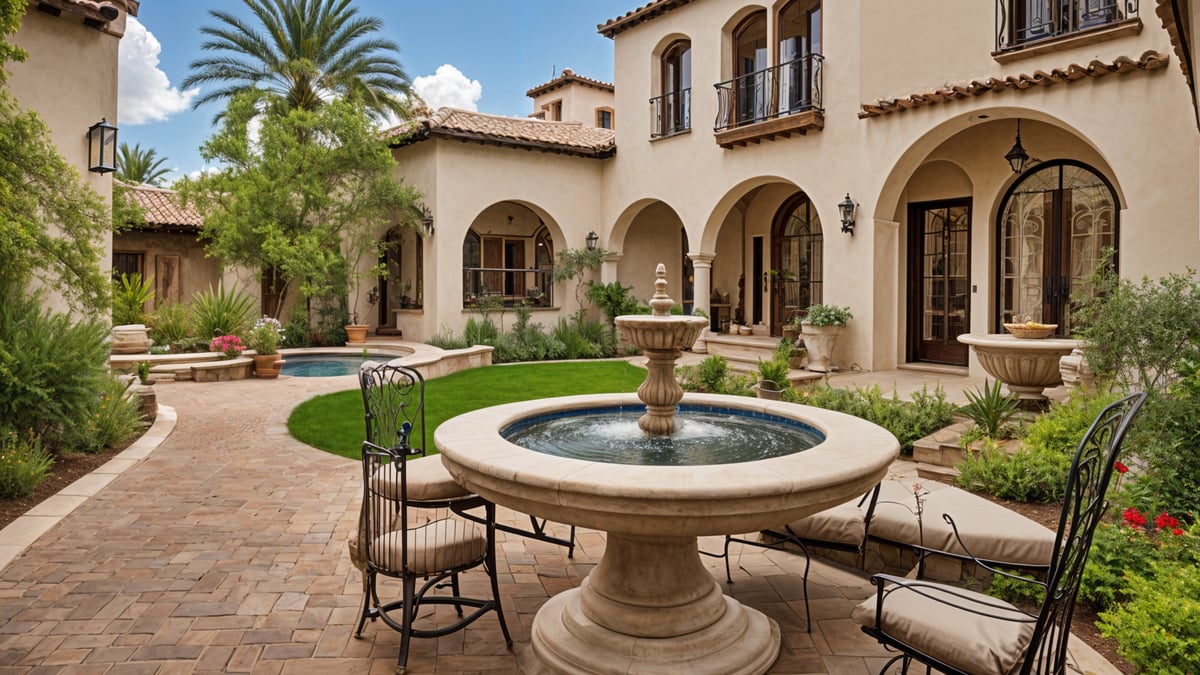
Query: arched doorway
(796,259)
(1054,225)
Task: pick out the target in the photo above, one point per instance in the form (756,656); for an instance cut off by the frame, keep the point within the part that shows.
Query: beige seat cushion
(434,547)
(428,480)
(949,632)
(842,524)
(989,530)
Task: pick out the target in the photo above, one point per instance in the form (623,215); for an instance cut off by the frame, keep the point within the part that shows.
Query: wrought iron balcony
(783,99)
(510,286)
(671,113)
(1023,22)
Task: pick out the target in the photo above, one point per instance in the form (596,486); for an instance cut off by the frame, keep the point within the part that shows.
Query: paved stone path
(225,551)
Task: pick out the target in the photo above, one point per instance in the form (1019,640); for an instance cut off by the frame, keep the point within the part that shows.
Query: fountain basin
(1026,366)
(650,605)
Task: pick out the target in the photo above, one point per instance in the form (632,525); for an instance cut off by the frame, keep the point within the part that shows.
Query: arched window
(672,110)
(750,87)
(1054,224)
(799,48)
(796,259)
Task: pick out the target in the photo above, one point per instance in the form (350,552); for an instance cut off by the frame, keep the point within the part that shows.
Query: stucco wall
(70,79)
(196,272)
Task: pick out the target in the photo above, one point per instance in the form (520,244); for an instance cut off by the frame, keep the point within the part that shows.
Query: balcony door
(939,246)
(1054,225)
(751,88)
(796,260)
(800,39)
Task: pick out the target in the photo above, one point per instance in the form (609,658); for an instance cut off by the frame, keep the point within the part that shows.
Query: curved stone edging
(22,532)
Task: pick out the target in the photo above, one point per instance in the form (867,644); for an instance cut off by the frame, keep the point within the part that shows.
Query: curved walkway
(225,551)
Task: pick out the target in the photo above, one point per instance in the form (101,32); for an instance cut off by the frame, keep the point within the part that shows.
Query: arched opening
(673,108)
(797,246)
(508,256)
(751,92)
(403,287)
(799,47)
(1054,225)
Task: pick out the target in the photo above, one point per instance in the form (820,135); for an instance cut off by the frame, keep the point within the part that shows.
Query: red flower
(1177,532)
(1121,468)
(1134,518)
(1164,521)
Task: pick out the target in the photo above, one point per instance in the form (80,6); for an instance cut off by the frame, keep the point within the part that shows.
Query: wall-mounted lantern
(592,238)
(102,147)
(846,211)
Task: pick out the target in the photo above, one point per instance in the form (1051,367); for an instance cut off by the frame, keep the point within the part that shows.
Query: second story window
(604,118)
(1022,22)
(671,112)
(799,50)
(750,87)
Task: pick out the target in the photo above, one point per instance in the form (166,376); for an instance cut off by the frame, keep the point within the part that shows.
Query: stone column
(701,290)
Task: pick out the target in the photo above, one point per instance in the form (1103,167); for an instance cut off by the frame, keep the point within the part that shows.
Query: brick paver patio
(225,551)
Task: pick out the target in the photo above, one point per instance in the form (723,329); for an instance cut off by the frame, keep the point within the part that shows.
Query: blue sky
(499,48)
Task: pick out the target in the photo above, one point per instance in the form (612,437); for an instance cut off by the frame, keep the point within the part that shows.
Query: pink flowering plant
(231,346)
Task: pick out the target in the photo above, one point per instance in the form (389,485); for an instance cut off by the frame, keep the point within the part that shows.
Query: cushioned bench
(990,532)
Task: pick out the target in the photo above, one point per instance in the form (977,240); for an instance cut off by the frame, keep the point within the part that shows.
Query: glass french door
(939,280)
(1054,225)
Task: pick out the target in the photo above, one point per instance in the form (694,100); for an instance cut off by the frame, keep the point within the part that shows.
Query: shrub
(130,294)
(1158,629)
(713,376)
(908,421)
(298,331)
(989,409)
(230,346)
(115,416)
(774,370)
(220,312)
(613,299)
(1029,475)
(265,336)
(480,332)
(1137,333)
(51,367)
(170,324)
(1130,546)
(1017,591)
(24,465)
(1166,439)
(828,315)
(1063,426)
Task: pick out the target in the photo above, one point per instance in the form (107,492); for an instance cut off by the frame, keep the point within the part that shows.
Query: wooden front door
(939,307)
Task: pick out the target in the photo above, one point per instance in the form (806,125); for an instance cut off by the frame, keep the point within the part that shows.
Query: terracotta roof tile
(568,76)
(648,11)
(565,137)
(164,209)
(1169,13)
(1150,60)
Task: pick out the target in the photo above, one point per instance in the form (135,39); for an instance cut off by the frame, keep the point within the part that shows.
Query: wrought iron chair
(409,527)
(963,632)
(844,528)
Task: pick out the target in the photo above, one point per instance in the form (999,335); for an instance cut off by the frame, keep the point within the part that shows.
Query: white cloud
(448,87)
(144,93)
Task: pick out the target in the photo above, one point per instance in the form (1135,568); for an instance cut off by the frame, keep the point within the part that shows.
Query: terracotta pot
(768,389)
(266,366)
(356,334)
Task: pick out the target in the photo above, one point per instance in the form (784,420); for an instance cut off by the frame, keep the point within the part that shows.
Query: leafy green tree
(305,51)
(573,263)
(53,224)
(140,167)
(314,185)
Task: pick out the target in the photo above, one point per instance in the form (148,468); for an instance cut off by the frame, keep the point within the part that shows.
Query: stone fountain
(662,338)
(650,604)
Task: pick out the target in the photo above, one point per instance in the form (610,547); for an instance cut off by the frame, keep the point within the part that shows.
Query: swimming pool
(327,365)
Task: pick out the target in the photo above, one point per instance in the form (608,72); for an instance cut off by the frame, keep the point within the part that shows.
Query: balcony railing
(785,89)
(1022,22)
(510,286)
(671,113)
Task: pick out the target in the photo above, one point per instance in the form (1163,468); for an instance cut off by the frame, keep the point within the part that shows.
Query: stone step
(943,474)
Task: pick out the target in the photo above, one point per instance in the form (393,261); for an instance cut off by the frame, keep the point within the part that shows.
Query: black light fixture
(426,218)
(846,211)
(1017,158)
(592,238)
(102,147)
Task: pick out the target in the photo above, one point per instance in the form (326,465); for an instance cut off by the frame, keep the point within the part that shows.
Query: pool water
(327,365)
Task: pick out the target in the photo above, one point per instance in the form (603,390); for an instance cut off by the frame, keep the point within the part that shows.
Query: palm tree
(304,51)
(137,166)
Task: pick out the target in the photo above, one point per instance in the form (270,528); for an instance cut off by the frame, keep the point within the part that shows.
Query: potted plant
(821,328)
(798,355)
(264,338)
(772,379)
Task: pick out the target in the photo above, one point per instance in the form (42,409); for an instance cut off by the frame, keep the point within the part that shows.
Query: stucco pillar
(701,289)
(885,301)
(608,269)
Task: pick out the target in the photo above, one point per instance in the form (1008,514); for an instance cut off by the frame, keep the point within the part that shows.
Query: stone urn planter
(769,390)
(130,339)
(266,366)
(820,341)
(356,334)
(149,400)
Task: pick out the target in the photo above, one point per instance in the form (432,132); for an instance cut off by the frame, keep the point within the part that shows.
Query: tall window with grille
(671,111)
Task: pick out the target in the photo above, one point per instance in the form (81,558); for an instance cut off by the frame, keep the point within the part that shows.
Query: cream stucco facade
(70,80)
(912,129)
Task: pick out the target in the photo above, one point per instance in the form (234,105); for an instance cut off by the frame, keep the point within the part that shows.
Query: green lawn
(334,422)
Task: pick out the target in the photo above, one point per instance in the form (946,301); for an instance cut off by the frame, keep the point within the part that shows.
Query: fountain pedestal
(667,617)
